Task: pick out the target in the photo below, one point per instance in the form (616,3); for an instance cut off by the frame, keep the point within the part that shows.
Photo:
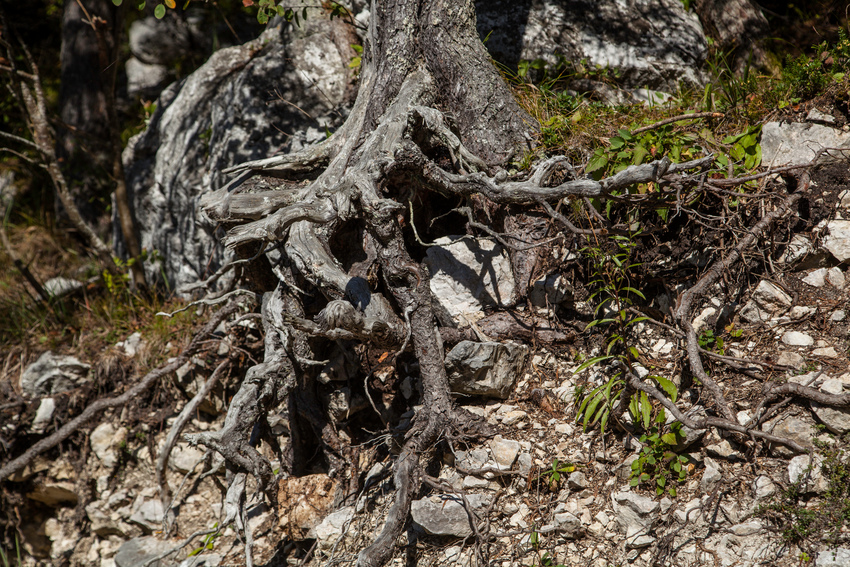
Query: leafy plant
(554,473)
(708,341)
(810,524)
(746,150)
(19,561)
(657,464)
(614,293)
(546,560)
(208,543)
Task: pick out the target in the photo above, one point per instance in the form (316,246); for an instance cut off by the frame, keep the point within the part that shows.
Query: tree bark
(84,144)
(420,56)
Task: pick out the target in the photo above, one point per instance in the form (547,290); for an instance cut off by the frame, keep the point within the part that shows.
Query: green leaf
(262,16)
(676,153)
(636,320)
(645,410)
(616,143)
(661,480)
(604,421)
(591,408)
(644,477)
(357,48)
(634,482)
(598,161)
(636,292)
(159,12)
(669,438)
(141,6)
(733,138)
(636,465)
(117,2)
(354,63)
(651,460)
(668,386)
(672,492)
(639,154)
(591,362)
(625,134)
(634,409)
(634,352)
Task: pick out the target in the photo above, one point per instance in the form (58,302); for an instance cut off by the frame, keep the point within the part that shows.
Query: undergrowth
(806,520)
(601,136)
(104,312)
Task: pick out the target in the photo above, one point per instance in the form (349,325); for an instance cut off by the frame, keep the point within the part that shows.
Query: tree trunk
(84,144)
(89,145)
(432,115)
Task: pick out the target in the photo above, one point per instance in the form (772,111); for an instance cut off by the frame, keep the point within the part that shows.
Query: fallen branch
(685,307)
(707,422)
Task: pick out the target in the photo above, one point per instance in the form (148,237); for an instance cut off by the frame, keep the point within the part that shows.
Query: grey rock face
(43,415)
(329,529)
(552,290)
(711,476)
(763,487)
(220,116)
(807,472)
(837,239)
(839,557)
(105,441)
(653,43)
(505,451)
(139,551)
(132,345)
(766,301)
(485,369)
(445,514)
(799,247)
(571,527)
(60,287)
(148,514)
(797,143)
(796,338)
(836,419)
(163,42)
(634,513)
(577,481)
(143,78)
(466,275)
(793,428)
(53,374)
